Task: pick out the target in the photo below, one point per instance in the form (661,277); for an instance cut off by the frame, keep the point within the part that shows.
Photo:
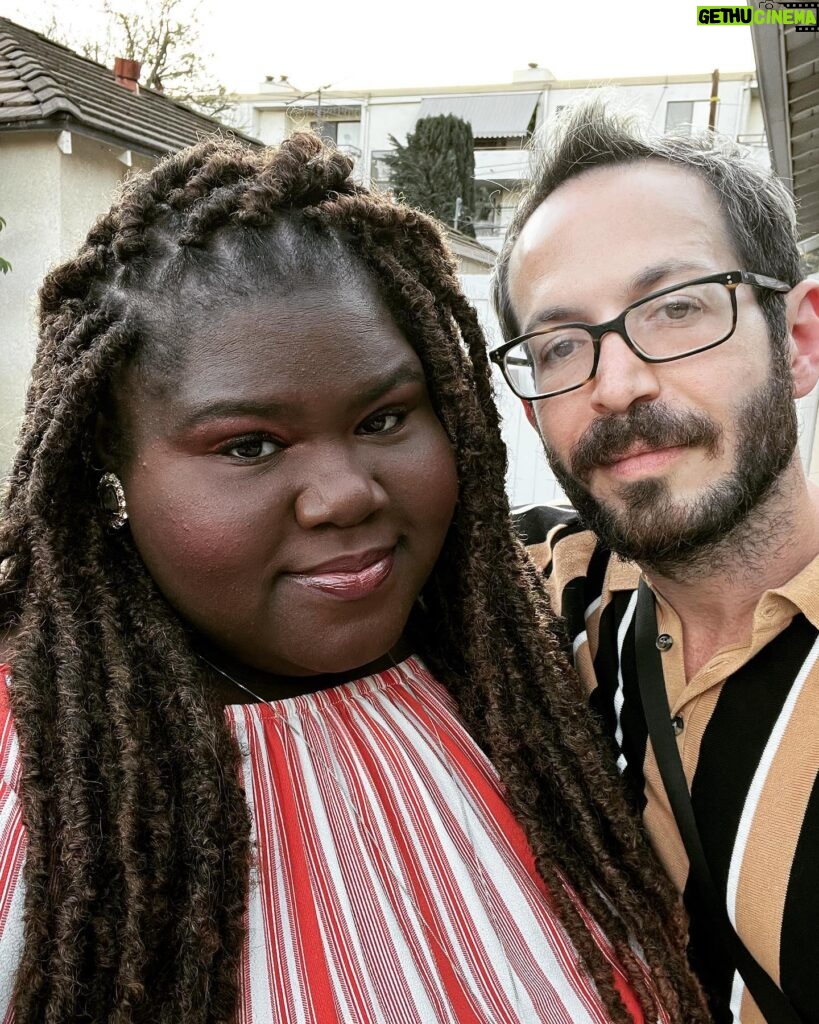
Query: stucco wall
(271,126)
(391,118)
(49,200)
(29,202)
(470,266)
(529,480)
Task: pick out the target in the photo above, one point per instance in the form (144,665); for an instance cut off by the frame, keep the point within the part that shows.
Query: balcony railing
(755,139)
(489,229)
(501,165)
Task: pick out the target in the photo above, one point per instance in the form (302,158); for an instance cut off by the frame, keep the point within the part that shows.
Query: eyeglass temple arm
(761,281)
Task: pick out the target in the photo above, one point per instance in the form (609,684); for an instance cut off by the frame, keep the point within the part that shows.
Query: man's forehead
(654,181)
(615,223)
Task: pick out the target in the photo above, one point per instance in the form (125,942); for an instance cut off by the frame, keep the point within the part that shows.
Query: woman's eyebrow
(227,407)
(405,373)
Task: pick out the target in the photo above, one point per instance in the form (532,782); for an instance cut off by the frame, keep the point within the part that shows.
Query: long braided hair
(138,830)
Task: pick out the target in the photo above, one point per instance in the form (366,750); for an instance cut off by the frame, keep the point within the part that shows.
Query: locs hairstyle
(138,830)
(757,210)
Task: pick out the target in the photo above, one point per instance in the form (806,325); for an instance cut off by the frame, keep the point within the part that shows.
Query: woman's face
(290,489)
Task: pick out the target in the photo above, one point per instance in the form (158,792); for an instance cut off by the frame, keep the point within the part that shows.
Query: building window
(345,134)
(500,142)
(348,133)
(679,114)
(379,171)
(325,129)
(487,209)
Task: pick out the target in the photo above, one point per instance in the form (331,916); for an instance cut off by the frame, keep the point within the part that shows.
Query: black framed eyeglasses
(669,324)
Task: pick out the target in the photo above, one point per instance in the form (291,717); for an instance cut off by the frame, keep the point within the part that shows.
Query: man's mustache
(653,424)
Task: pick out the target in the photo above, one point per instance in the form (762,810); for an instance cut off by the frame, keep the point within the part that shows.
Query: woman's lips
(349,584)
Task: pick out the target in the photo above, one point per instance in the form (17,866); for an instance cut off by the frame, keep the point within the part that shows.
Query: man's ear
(529,409)
(802,310)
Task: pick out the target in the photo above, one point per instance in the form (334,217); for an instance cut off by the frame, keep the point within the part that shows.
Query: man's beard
(677,538)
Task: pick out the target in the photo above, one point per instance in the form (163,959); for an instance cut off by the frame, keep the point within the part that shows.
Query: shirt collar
(798,594)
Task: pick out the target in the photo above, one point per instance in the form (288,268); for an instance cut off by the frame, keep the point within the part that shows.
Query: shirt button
(664,642)
(677,724)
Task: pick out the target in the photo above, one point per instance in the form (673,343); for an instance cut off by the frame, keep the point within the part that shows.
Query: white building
(503,118)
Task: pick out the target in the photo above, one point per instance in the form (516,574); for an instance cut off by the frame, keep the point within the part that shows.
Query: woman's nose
(340,489)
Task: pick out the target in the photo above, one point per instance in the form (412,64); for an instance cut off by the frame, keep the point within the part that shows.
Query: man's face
(661,460)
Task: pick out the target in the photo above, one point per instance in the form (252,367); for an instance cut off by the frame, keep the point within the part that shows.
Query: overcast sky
(381,43)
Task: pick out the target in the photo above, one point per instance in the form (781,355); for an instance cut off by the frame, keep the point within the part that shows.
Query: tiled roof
(471,248)
(43,83)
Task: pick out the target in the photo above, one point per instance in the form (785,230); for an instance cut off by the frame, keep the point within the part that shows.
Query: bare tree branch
(164,36)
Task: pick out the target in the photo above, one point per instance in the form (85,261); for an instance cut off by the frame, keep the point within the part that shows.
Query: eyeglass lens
(666,326)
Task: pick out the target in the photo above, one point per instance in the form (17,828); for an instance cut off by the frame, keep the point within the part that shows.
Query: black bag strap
(772,1002)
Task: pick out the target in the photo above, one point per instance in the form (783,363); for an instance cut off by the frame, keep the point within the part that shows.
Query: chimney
(533,73)
(127,72)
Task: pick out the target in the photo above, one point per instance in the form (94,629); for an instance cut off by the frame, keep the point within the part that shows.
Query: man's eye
(560,348)
(252,448)
(382,423)
(552,349)
(678,309)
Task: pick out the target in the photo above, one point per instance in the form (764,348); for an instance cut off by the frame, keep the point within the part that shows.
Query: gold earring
(112,500)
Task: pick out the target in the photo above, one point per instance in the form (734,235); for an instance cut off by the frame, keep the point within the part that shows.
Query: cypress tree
(435,168)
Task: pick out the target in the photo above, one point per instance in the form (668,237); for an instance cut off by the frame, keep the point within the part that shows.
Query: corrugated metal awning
(491,117)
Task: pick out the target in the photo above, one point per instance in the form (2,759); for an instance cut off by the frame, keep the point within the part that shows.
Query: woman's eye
(252,448)
(382,423)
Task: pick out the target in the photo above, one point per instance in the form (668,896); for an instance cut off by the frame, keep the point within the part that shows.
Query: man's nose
(622,377)
(340,489)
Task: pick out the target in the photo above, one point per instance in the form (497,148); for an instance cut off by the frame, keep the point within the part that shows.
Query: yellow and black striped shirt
(749,743)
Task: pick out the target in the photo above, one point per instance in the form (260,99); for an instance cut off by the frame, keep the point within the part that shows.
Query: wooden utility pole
(712,112)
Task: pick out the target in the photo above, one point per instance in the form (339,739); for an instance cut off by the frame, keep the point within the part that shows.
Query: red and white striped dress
(391,882)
